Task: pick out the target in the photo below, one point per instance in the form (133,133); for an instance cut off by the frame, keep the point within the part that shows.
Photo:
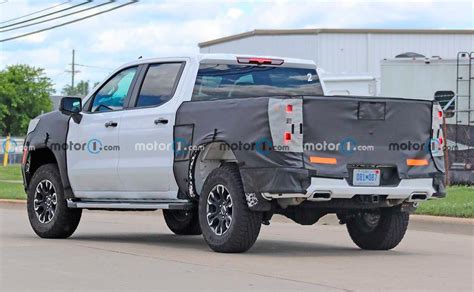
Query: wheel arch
(37,158)
(41,155)
(204,161)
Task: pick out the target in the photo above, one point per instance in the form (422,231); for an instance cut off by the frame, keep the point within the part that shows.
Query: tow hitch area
(374,199)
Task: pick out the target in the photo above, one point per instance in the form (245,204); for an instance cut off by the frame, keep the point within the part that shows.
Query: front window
(112,95)
(221,81)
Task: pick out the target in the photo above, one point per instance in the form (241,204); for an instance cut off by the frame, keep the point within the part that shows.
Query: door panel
(93,151)
(146,160)
(93,166)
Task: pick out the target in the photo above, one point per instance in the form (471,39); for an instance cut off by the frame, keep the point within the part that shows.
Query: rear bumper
(325,189)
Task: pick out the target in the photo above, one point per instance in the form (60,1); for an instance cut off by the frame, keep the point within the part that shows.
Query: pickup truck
(221,143)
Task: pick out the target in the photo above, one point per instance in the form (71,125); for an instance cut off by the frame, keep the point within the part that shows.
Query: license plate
(366,177)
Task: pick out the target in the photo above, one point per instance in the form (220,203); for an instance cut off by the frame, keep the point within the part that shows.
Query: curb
(442,219)
(12,201)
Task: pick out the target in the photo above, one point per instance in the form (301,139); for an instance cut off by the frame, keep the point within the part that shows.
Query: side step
(131,204)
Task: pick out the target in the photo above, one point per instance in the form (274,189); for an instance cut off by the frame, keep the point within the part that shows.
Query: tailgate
(342,133)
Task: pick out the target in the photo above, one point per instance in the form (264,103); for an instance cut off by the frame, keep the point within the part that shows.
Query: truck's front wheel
(227,223)
(47,208)
(381,229)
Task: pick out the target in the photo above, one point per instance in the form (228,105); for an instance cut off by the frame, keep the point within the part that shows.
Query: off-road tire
(245,226)
(182,222)
(387,234)
(65,220)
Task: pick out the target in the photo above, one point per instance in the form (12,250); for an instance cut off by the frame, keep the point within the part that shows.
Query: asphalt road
(136,251)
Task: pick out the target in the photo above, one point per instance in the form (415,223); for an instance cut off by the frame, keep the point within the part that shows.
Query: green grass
(458,203)
(10,172)
(11,190)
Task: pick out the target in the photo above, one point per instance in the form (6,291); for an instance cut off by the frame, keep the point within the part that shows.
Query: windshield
(221,81)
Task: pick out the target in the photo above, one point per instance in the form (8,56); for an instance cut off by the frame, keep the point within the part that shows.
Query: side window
(159,84)
(112,95)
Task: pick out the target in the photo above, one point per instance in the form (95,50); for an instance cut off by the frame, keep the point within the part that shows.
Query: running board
(131,205)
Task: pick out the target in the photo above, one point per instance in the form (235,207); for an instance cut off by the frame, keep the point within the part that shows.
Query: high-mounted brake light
(289,108)
(259,61)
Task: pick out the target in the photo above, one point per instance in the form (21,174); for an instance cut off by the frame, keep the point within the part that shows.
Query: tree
(24,94)
(81,89)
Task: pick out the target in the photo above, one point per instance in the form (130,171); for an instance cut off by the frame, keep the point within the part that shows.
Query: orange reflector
(417,162)
(322,160)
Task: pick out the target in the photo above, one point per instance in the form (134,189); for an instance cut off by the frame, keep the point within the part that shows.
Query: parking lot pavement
(136,251)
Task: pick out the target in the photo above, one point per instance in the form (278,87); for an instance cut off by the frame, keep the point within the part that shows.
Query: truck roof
(219,57)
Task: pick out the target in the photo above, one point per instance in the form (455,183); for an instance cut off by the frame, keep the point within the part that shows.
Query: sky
(171,28)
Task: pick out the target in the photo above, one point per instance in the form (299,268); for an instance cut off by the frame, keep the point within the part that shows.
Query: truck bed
(297,138)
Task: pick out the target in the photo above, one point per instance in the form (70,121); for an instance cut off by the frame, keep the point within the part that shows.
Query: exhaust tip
(321,196)
(418,197)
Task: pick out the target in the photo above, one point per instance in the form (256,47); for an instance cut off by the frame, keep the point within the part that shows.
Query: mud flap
(256,202)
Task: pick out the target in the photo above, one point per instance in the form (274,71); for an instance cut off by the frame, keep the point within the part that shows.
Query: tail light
(437,136)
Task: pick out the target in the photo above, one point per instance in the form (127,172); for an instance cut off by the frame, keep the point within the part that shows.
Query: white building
(345,51)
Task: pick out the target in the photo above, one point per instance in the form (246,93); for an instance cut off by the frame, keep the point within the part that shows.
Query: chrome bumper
(325,189)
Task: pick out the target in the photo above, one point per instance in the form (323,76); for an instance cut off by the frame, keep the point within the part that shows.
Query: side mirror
(71,105)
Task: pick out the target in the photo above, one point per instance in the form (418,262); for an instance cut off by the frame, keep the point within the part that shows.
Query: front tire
(182,222)
(227,223)
(47,209)
(381,229)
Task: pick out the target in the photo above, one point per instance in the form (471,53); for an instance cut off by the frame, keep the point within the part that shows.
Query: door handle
(161,121)
(111,124)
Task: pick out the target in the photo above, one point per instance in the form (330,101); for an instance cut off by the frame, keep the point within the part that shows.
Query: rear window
(221,81)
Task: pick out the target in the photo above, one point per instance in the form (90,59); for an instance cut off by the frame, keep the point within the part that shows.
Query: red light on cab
(259,61)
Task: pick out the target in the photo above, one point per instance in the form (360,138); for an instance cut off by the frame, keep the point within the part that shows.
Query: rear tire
(227,223)
(381,229)
(182,222)
(47,209)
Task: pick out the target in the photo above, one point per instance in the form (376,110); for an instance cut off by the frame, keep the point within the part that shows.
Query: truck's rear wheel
(227,223)
(381,229)
(182,222)
(48,213)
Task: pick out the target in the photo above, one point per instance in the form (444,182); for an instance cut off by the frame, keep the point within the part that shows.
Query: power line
(68,22)
(33,13)
(58,17)
(47,14)
(93,67)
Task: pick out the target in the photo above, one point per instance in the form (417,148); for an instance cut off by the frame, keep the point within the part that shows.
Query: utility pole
(72,69)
